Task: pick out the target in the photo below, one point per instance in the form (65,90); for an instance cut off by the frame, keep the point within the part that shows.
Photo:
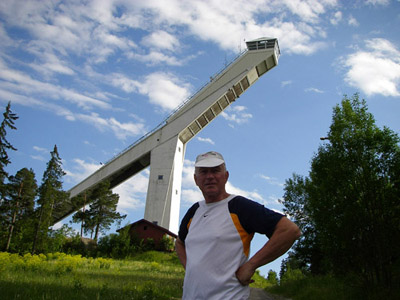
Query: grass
(58,276)
(315,288)
(330,288)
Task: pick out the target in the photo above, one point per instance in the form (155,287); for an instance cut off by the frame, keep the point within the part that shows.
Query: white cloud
(271,180)
(295,38)
(164,90)
(336,18)
(88,143)
(38,157)
(120,130)
(310,10)
(19,83)
(126,84)
(236,114)
(253,195)
(81,170)
(162,40)
(132,193)
(314,90)
(187,175)
(375,70)
(378,2)
(157,57)
(191,196)
(353,21)
(40,149)
(206,140)
(285,83)
(273,199)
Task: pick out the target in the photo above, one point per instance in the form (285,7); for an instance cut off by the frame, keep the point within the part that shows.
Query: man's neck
(212,199)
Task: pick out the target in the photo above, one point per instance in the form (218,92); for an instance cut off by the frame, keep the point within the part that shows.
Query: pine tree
(18,207)
(8,122)
(51,199)
(102,211)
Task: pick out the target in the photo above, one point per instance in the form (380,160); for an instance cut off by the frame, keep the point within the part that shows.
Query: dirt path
(260,294)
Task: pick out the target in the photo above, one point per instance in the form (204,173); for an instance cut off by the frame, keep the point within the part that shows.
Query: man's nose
(209,174)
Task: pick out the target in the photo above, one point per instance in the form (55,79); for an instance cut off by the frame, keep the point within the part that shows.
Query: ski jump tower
(163,149)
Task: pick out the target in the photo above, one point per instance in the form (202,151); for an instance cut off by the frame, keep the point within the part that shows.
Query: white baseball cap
(209,159)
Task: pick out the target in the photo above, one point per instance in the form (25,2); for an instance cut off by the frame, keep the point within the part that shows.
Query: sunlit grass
(61,276)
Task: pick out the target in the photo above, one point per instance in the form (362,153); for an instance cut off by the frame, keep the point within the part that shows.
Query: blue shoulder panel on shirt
(184,227)
(253,216)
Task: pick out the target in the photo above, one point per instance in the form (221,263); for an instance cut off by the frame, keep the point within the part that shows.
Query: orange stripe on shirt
(188,224)
(244,236)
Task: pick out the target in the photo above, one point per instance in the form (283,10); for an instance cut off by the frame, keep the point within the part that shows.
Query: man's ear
(195,178)
(227,176)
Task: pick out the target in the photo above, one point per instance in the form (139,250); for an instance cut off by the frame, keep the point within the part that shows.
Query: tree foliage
(8,123)
(348,207)
(51,199)
(102,212)
(18,208)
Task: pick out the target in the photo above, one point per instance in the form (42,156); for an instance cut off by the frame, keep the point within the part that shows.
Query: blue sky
(94,76)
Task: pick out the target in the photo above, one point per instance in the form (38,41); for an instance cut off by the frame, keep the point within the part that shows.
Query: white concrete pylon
(164,190)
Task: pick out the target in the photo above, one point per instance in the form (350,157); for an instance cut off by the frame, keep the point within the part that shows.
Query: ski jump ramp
(163,149)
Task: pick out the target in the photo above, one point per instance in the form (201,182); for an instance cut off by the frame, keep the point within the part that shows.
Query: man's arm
(181,251)
(285,234)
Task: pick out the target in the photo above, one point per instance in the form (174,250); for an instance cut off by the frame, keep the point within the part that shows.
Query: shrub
(167,243)
(291,275)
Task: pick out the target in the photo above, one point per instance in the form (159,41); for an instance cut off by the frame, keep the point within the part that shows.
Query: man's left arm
(285,234)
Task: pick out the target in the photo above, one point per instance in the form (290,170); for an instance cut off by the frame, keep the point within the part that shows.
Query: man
(215,234)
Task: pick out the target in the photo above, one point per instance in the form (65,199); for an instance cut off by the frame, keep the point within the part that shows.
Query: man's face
(211,182)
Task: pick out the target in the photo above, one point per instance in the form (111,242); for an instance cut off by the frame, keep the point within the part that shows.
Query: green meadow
(60,276)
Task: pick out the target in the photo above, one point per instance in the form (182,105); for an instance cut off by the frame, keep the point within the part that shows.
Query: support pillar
(164,190)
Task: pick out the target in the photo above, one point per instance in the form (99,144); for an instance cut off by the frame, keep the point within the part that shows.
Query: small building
(144,229)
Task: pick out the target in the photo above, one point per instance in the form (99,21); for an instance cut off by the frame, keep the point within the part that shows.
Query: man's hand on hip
(244,274)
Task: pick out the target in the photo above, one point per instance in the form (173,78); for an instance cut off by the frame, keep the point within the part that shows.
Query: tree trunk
(12,227)
(14,217)
(97,232)
(37,231)
(83,209)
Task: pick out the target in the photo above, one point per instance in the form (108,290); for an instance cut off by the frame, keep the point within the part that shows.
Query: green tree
(272,277)
(8,122)
(18,207)
(81,216)
(350,199)
(87,224)
(307,254)
(102,212)
(51,200)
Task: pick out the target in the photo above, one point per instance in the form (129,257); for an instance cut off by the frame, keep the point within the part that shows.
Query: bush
(272,277)
(167,243)
(292,275)
(117,245)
